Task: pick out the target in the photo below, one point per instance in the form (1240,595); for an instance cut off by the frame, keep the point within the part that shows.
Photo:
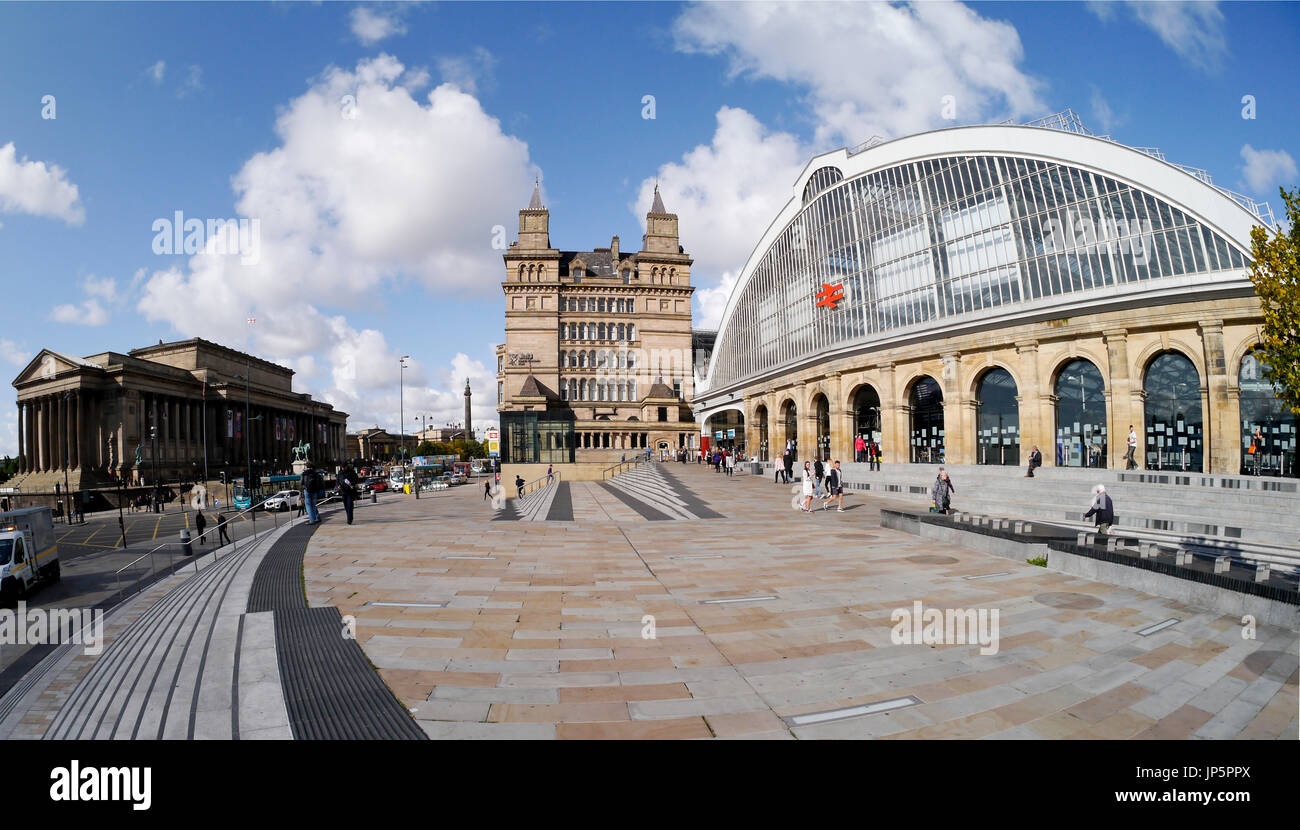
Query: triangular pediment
(49,365)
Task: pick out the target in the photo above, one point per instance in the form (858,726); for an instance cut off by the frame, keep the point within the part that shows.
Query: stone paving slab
(545,639)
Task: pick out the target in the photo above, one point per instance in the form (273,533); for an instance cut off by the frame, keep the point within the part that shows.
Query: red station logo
(830,294)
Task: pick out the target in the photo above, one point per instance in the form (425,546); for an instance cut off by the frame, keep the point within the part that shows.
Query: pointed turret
(658,206)
(535,223)
(660,228)
(536,202)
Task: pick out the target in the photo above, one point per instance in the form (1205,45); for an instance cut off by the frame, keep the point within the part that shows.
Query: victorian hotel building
(597,360)
(963,295)
(161,412)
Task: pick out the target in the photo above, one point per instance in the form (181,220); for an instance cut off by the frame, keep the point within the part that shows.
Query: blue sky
(376,217)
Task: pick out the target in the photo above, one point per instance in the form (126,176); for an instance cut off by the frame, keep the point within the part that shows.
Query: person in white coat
(807,487)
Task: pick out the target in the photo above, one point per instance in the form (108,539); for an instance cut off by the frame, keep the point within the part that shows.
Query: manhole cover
(1073,602)
(930,559)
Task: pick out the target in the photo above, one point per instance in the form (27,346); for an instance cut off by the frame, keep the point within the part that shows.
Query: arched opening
(727,430)
(1080,415)
(760,420)
(866,419)
(1175,425)
(925,402)
(823,409)
(997,420)
(1263,410)
(790,418)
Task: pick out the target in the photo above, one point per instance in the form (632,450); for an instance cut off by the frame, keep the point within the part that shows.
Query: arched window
(631,331)
(582,360)
(1262,409)
(601,331)
(573,389)
(541,273)
(631,390)
(1174,422)
(563,358)
(631,360)
(926,403)
(997,422)
(582,389)
(1080,416)
(866,415)
(591,357)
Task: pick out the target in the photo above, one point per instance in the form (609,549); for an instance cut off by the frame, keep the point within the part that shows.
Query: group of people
(723,461)
(819,482)
(866,449)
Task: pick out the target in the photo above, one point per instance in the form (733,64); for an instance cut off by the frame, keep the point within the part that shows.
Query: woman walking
(942,492)
(807,488)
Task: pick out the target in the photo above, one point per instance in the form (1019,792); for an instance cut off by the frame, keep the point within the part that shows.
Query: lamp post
(401,406)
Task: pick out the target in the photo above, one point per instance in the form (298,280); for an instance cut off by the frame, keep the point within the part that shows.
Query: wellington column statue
(469,427)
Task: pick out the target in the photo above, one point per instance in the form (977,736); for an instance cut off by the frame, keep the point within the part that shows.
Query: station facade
(964,295)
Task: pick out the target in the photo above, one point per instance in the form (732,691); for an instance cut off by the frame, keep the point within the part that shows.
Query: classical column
(1033,431)
(958,429)
(1221,450)
(1123,407)
(22,456)
(74,431)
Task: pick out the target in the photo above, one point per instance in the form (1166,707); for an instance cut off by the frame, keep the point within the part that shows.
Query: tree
(426,448)
(1276,275)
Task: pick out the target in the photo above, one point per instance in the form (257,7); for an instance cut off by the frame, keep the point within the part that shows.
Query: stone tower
(469,427)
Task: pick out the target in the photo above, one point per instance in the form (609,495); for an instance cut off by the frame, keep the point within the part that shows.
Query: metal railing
(170,547)
(536,484)
(622,466)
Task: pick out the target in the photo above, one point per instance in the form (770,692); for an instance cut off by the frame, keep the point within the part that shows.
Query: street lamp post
(401,406)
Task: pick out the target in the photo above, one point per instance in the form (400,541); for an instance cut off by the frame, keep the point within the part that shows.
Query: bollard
(1148,550)
(1029,528)
(1262,572)
(185,542)
(1112,544)
(1182,557)
(1222,564)
(1081,539)
(373,498)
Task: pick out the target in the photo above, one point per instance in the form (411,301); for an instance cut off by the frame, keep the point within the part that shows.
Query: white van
(29,555)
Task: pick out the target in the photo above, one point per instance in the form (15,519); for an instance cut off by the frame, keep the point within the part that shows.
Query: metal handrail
(153,570)
(637,459)
(528,484)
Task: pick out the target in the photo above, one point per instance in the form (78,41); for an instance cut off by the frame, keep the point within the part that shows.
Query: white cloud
(1192,28)
(157,72)
(88,313)
(35,188)
(1103,114)
(712,302)
(471,73)
(11,352)
(1264,170)
(104,288)
(871,68)
(407,191)
(192,82)
(372,25)
(727,192)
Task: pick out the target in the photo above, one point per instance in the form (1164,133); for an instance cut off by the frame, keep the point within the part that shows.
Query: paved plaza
(761,615)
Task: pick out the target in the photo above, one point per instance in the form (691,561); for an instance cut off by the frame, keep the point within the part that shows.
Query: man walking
(487,490)
(200,524)
(1103,508)
(818,476)
(519,486)
(550,473)
(222,535)
(349,486)
(789,464)
(312,487)
(1129,461)
(835,489)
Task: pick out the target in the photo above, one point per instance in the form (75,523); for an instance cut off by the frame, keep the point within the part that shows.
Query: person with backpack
(313,485)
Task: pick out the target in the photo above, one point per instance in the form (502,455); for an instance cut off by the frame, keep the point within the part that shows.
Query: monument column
(74,431)
(22,456)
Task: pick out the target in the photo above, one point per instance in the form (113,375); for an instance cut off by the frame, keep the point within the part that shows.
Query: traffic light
(223,476)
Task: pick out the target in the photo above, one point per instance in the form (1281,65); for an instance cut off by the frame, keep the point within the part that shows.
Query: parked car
(283,500)
(377,485)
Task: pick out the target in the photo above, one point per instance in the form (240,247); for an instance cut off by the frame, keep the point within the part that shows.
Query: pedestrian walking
(818,474)
(807,482)
(1103,508)
(876,455)
(519,486)
(1035,460)
(942,492)
(222,535)
(313,485)
(300,503)
(349,488)
(859,449)
(550,473)
(1256,450)
(200,524)
(731,464)
(1129,461)
(835,489)
(487,490)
